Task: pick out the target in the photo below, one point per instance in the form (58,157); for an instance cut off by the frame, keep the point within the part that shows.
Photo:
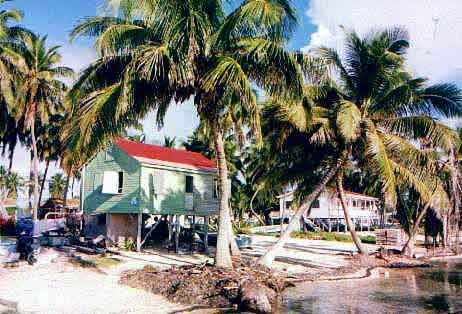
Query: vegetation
(57,186)
(331,236)
(10,183)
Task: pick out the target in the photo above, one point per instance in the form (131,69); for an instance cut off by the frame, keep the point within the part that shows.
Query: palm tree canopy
(154,53)
(381,111)
(38,73)
(57,185)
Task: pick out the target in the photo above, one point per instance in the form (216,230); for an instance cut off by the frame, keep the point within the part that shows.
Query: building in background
(327,213)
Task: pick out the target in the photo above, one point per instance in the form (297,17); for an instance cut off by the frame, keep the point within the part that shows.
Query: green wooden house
(129,179)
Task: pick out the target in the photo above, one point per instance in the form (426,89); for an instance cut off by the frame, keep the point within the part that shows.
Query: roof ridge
(162,153)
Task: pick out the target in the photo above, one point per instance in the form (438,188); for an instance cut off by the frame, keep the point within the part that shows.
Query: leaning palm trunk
(223,253)
(11,156)
(42,184)
(351,227)
(251,207)
(34,169)
(268,258)
(235,252)
(408,248)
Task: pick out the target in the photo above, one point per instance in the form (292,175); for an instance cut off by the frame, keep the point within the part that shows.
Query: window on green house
(189,184)
(121,182)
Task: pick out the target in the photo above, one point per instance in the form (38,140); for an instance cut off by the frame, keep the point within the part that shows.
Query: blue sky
(57,17)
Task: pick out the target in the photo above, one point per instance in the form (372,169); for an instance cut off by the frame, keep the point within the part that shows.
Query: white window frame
(111,183)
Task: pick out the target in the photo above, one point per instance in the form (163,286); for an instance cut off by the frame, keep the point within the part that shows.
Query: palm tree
(49,143)
(157,52)
(10,182)
(57,185)
(170,141)
(377,113)
(39,89)
(382,109)
(8,129)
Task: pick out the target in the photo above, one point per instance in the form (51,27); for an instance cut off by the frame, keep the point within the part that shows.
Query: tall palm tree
(154,53)
(377,112)
(381,109)
(49,143)
(39,90)
(8,129)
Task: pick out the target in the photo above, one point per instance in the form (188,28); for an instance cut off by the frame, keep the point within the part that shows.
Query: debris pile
(248,286)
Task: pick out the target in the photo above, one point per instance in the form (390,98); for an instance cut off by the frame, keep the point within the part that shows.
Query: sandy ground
(310,253)
(55,286)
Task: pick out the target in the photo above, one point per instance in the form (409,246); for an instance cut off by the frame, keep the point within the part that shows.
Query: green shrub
(326,236)
(368,239)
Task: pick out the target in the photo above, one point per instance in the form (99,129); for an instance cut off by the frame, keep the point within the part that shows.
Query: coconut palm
(156,52)
(57,185)
(8,129)
(381,109)
(377,112)
(39,90)
(10,182)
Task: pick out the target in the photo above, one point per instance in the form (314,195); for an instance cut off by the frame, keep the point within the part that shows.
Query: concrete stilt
(206,235)
(138,235)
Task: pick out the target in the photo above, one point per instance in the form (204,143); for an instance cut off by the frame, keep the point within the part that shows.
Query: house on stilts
(131,180)
(327,214)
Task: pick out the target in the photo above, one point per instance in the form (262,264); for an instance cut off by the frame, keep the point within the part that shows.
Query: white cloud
(435,28)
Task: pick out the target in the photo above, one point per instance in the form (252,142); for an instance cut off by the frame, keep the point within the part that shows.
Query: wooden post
(338,225)
(177,233)
(281,215)
(361,224)
(329,224)
(138,235)
(206,235)
(170,228)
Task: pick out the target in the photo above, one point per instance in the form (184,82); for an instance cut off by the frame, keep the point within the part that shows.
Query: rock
(255,297)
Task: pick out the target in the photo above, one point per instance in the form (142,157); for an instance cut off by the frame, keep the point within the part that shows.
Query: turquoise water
(430,290)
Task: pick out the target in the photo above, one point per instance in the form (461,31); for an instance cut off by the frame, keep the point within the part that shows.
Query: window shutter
(158,182)
(110,182)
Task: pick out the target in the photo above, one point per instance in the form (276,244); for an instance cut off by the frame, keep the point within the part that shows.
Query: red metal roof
(156,152)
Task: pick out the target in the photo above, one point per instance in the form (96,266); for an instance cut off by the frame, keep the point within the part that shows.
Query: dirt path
(57,286)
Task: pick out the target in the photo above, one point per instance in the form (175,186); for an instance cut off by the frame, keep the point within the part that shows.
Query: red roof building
(148,153)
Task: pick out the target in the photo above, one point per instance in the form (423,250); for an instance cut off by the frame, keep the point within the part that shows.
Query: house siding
(114,159)
(163,191)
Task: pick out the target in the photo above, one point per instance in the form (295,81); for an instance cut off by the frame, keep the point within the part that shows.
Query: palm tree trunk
(445,239)
(66,189)
(351,227)
(11,156)
(235,252)
(268,258)
(42,185)
(223,253)
(34,170)
(251,207)
(408,248)
(72,187)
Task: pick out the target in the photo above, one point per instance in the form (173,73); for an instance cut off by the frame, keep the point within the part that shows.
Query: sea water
(426,290)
